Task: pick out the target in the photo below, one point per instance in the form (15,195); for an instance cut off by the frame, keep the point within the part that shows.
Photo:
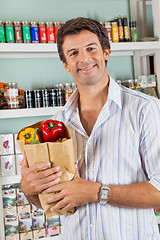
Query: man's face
(85,58)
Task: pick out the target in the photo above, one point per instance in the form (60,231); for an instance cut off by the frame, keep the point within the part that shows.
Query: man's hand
(71,194)
(35,181)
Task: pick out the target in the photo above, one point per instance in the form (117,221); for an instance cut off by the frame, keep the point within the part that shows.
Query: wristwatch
(104,194)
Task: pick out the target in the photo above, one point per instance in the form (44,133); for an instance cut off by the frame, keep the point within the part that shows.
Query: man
(116,138)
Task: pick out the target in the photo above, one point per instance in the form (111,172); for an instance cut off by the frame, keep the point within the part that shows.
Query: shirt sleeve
(150,142)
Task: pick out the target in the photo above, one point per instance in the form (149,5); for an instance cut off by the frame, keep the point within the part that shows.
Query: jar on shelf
(26,32)
(108,29)
(34,32)
(115,37)
(42,32)
(12,95)
(18,32)
(9,32)
(2,34)
(50,32)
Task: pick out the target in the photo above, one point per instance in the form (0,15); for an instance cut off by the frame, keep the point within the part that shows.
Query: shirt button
(92,225)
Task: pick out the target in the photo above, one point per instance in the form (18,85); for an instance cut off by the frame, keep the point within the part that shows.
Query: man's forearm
(138,195)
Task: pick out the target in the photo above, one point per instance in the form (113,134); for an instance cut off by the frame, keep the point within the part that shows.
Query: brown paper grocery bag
(59,154)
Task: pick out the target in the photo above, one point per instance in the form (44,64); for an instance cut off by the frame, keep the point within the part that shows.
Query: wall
(38,73)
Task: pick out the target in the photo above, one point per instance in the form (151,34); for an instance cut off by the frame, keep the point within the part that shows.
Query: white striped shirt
(123,148)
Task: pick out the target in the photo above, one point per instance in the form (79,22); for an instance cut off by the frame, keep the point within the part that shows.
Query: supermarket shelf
(28,112)
(31,50)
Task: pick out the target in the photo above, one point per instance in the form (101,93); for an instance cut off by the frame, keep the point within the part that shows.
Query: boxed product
(53,226)
(157,211)
(8,165)
(58,153)
(26,236)
(19,160)
(146,81)
(9,202)
(11,228)
(38,222)
(6,144)
(38,234)
(21,198)
(25,223)
(24,209)
(17,148)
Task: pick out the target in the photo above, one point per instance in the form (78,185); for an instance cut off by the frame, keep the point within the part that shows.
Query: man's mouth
(86,68)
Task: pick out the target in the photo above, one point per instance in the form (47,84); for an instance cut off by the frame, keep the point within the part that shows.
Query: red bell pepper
(52,130)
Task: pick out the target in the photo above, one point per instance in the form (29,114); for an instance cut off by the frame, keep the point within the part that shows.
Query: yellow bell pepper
(28,135)
(62,140)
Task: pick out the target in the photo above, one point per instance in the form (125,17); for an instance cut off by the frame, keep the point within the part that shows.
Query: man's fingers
(41,166)
(24,162)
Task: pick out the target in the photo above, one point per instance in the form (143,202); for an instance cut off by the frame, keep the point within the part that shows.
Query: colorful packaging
(16,146)
(21,198)
(6,144)
(8,165)
(53,226)
(38,234)
(11,228)
(24,209)
(19,160)
(9,202)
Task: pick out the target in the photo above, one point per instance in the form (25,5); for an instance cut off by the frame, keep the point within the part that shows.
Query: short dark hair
(75,26)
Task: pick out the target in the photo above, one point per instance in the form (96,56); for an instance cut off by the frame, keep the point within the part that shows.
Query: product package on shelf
(6,144)
(11,228)
(9,202)
(8,165)
(58,153)
(53,226)
(19,160)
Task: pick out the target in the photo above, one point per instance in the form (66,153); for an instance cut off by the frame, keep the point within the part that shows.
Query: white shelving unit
(30,112)
(139,50)
(24,50)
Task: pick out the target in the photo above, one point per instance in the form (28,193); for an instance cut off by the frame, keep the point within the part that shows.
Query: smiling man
(116,137)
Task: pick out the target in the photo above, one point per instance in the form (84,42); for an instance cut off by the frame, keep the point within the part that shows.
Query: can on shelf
(9,32)
(57,25)
(26,32)
(42,32)
(29,99)
(60,95)
(53,97)
(18,32)
(45,98)
(37,98)
(50,32)
(2,33)
(34,32)
(12,95)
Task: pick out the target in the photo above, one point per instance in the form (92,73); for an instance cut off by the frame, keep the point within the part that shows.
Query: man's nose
(84,56)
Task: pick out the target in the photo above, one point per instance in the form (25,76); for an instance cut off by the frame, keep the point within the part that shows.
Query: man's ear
(66,67)
(106,54)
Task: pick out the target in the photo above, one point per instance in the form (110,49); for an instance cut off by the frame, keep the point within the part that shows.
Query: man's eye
(73,53)
(91,49)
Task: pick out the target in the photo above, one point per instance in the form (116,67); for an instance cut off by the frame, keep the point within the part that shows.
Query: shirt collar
(114,94)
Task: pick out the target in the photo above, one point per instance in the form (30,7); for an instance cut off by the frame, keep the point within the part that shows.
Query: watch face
(104,194)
